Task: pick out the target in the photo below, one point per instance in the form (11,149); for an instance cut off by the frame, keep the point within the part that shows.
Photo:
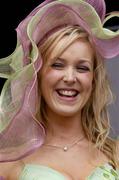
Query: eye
(83,68)
(57,65)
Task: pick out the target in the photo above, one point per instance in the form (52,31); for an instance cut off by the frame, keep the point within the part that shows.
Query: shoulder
(7,169)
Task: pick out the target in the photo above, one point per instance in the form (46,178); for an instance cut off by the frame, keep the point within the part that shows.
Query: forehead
(79,49)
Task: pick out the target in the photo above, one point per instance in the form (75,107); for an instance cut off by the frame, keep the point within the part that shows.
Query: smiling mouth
(67,93)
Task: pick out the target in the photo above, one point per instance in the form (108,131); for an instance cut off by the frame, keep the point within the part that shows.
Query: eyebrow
(80,60)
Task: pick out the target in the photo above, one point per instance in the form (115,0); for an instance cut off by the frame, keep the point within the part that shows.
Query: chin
(67,112)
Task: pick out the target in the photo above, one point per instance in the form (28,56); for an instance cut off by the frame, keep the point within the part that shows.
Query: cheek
(49,79)
(87,80)
(51,76)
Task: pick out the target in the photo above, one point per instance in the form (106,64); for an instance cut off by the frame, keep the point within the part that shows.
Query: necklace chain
(66,147)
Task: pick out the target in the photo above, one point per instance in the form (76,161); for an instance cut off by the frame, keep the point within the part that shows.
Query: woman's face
(66,82)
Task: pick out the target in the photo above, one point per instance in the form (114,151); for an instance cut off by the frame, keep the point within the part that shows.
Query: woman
(54,119)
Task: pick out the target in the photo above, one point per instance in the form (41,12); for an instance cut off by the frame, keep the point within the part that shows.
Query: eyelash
(85,68)
(60,66)
(57,65)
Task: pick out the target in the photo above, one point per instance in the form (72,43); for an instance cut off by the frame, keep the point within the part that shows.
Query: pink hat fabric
(20,132)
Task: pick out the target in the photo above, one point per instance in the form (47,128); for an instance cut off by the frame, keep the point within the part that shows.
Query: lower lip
(66,99)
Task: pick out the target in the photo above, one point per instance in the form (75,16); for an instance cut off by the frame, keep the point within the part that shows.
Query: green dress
(40,172)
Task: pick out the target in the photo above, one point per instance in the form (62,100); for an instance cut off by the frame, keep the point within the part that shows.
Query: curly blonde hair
(95,116)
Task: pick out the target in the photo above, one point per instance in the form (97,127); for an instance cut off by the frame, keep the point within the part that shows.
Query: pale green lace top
(40,172)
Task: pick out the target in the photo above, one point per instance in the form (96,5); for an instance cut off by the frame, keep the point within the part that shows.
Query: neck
(62,129)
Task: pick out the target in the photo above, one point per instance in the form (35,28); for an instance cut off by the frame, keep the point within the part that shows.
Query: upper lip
(68,89)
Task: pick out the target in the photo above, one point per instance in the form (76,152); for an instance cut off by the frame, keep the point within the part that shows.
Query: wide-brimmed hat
(20,132)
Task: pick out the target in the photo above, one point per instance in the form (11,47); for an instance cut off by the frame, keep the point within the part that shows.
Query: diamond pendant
(65,148)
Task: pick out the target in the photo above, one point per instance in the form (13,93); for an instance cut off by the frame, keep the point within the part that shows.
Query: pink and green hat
(20,132)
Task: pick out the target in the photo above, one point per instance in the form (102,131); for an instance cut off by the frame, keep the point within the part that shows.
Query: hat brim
(63,13)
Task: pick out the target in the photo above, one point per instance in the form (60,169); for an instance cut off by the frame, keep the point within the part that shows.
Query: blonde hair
(95,116)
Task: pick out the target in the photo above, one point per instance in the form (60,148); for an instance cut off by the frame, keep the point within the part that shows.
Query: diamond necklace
(66,147)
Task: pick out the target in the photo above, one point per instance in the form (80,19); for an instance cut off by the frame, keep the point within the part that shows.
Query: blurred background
(13,13)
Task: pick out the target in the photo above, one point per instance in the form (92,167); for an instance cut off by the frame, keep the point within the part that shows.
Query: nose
(69,75)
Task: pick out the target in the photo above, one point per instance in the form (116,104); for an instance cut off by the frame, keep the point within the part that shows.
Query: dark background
(11,14)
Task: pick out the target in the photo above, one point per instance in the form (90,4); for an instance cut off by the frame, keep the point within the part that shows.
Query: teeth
(67,92)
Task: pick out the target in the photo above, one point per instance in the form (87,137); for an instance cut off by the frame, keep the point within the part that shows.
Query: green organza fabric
(31,31)
(19,99)
(39,172)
